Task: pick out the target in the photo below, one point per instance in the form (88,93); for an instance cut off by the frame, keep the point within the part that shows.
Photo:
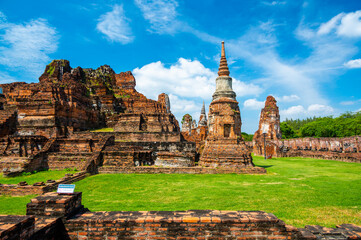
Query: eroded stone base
(226,153)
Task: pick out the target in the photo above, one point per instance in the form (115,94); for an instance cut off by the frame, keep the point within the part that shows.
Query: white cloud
(274,3)
(246,89)
(353,63)
(2,19)
(290,98)
(161,14)
(299,111)
(253,104)
(181,105)
(293,112)
(6,78)
(348,103)
(319,110)
(348,25)
(115,26)
(27,45)
(186,78)
(187,82)
(327,27)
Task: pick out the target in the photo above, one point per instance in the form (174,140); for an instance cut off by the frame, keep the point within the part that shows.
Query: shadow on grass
(264,166)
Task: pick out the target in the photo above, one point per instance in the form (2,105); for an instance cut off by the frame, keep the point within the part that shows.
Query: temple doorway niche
(227,130)
(143,123)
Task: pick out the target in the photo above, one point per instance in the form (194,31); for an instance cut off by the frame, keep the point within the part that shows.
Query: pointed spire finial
(223,53)
(223,66)
(203,111)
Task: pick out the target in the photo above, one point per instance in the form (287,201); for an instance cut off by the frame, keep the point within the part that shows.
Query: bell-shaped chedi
(268,130)
(224,145)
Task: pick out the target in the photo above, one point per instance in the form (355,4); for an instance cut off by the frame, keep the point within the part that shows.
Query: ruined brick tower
(269,124)
(224,145)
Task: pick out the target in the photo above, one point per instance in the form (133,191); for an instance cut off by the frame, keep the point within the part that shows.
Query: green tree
(287,131)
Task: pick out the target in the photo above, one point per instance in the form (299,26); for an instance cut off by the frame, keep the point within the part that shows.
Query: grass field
(17,205)
(298,191)
(41,176)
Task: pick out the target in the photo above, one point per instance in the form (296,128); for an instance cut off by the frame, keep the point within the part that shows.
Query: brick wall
(16,227)
(183,170)
(201,224)
(346,149)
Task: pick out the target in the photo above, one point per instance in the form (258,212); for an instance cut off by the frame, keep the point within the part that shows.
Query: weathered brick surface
(269,124)
(48,228)
(197,224)
(346,149)
(54,205)
(16,227)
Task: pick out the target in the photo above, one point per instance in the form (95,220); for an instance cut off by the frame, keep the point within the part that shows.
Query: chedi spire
(223,66)
(203,117)
(223,81)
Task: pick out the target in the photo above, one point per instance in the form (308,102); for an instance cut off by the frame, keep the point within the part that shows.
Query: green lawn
(298,191)
(41,176)
(17,205)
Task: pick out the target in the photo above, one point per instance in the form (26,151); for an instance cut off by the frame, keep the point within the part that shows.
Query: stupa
(224,145)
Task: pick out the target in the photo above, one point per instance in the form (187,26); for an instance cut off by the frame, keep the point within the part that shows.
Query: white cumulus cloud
(293,112)
(185,78)
(319,110)
(187,82)
(274,3)
(115,26)
(27,45)
(349,103)
(161,14)
(348,25)
(290,98)
(253,104)
(353,63)
(299,111)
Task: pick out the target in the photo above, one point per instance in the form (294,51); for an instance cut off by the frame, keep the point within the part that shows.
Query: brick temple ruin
(48,124)
(346,149)
(95,121)
(224,146)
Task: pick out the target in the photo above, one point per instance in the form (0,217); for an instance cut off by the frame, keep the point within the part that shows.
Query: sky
(305,53)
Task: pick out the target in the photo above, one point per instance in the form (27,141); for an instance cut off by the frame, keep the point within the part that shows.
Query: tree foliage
(287,131)
(247,137)
(348,124)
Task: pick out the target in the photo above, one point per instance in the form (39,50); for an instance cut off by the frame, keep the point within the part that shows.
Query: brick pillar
(53,205)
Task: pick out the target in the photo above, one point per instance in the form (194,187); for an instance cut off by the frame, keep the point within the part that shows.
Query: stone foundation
(55,205)
(226,153)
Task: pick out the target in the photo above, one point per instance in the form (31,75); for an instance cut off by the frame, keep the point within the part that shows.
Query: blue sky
(305,53)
